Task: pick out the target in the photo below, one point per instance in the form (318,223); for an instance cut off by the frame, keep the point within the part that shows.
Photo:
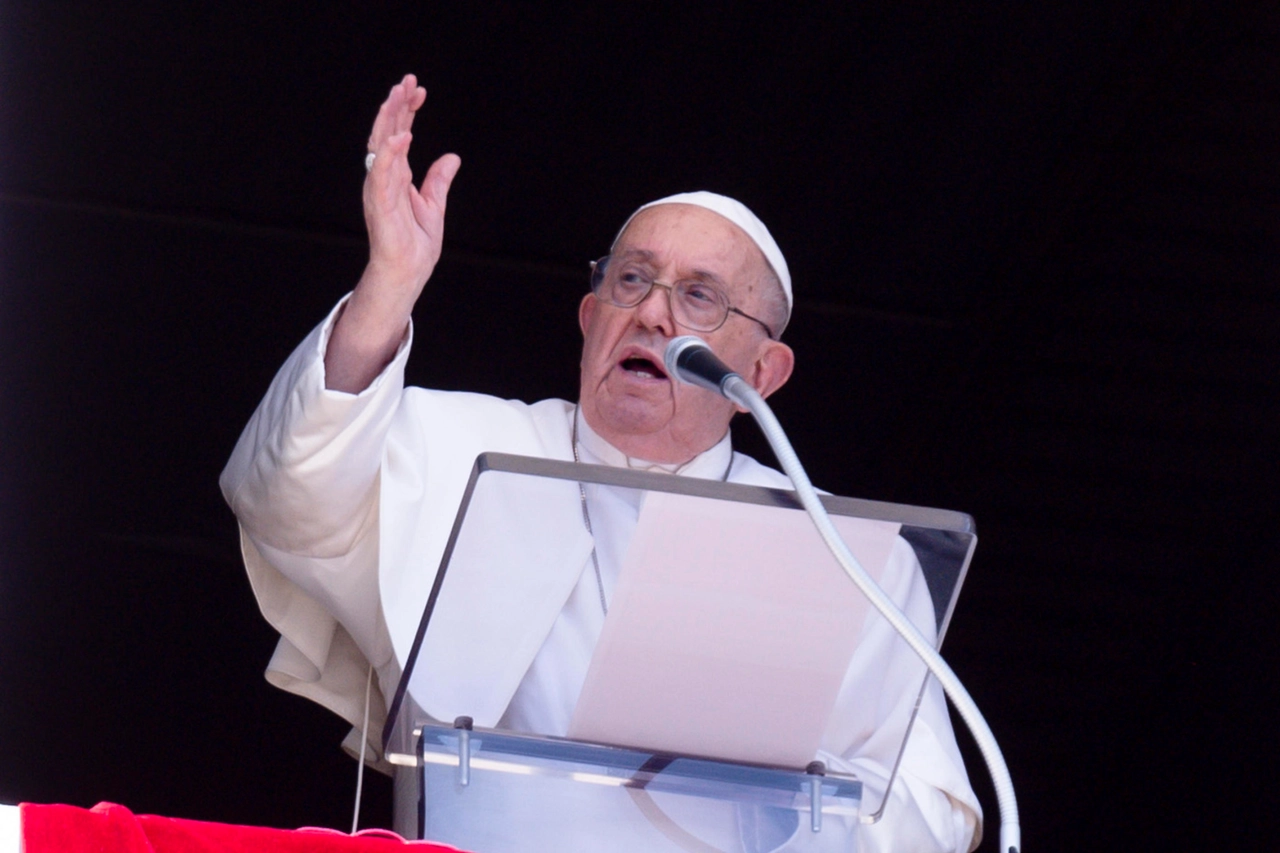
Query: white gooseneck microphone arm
(691,360)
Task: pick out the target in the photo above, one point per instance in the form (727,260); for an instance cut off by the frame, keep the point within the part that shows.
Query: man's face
(626,395)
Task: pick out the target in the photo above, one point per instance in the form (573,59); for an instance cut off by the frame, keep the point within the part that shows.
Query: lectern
(697,741)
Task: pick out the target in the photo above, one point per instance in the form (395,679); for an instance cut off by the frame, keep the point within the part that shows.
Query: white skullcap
(737,213)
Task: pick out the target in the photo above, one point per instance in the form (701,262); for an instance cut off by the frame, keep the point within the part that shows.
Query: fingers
(396,114)
(415,97)
(405,222)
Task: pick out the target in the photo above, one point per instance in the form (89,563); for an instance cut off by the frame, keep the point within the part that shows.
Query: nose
(654,311)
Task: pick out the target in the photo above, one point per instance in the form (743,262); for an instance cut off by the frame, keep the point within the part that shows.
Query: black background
(1035,253)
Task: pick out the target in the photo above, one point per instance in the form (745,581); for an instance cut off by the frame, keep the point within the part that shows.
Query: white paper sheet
(729,632)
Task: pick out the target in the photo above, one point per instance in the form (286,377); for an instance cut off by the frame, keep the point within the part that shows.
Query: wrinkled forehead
(736,214)
(689,236)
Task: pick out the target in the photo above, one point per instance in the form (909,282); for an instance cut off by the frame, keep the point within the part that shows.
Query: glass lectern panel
(520,537)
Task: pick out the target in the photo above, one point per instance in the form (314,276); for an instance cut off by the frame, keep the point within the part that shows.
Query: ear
(772,367)
(586,310)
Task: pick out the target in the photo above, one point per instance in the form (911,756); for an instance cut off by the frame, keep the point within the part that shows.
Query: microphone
(689,359)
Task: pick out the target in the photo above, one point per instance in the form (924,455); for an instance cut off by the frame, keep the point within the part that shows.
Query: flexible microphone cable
(690,360)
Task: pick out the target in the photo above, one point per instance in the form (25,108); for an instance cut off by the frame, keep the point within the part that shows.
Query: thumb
(435,186)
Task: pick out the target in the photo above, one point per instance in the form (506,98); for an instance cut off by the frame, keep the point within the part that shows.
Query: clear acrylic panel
(500,547)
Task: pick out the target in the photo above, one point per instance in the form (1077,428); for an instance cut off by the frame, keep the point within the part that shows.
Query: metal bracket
(816,770)
(463,725)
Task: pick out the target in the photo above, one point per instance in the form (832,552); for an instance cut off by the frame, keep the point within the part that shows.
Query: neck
(660,447)
(712,463)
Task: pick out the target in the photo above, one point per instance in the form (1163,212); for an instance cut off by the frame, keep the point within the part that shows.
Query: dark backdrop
(1035,254)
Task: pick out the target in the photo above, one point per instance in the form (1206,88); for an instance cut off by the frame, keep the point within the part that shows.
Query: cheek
(595,350)
(738,353)
(601,333)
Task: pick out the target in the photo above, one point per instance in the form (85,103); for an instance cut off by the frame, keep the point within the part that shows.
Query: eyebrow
(633,255)
(647,256)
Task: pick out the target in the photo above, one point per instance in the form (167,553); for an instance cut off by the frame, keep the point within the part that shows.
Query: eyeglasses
(695,304)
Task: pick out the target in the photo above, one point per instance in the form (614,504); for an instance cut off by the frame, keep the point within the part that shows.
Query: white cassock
(345,504)
(10,829)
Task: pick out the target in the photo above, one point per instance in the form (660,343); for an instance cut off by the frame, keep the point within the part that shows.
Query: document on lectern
(729,633)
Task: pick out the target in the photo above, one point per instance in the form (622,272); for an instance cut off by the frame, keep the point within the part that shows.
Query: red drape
(109,828)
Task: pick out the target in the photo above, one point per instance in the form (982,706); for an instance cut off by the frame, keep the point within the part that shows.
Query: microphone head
(689,359)
(675,348)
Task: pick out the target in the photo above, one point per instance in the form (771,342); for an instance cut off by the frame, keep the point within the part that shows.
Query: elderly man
(346,483)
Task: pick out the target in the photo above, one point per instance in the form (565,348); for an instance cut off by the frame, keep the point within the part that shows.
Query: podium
(487,789)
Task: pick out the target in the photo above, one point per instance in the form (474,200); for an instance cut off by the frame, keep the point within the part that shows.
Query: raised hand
(406,232)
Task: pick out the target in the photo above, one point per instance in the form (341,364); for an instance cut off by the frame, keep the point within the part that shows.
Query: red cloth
(108,828)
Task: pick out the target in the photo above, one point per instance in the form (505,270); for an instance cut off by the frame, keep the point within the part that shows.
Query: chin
(624,426)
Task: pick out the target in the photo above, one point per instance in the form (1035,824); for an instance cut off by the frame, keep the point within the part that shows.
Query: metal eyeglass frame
(599,266)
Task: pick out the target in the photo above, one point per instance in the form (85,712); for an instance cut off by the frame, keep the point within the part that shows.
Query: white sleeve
(303,482)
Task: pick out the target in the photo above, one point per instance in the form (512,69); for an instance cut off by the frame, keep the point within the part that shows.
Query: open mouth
(643,367)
